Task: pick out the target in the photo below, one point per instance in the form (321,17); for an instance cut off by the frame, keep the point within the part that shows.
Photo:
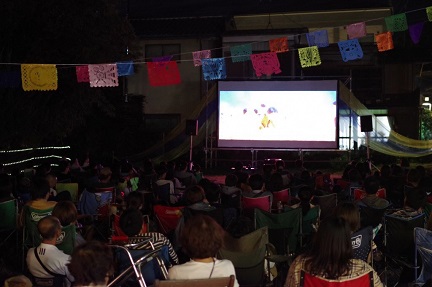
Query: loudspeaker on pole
(191,127)
(366,123)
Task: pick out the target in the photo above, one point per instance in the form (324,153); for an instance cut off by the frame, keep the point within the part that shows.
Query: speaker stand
(190,152)
(368,150)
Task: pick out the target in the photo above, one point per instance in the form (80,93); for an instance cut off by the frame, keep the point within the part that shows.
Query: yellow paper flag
(39,77)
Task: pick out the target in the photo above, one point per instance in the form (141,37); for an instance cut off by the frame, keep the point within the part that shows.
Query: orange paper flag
(384,41)
(279,45)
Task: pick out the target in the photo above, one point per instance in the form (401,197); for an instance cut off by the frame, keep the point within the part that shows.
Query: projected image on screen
(271,118)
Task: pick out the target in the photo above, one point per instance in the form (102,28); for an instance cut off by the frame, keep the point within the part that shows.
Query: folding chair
(250,203)
(162,193)
(210,282)
(283,228)
(217,214)
(359,194)
(399,247)
(145,266)
(370,216)
(308,280)
(247,254)
(117,230)
(282,196)
(423,242)
(72,187)
(362,243)
(309,224)
(8,222)
(327,204)
(167,218)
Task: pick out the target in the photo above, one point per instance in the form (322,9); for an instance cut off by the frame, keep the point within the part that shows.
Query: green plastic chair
(72,187)
(309,224)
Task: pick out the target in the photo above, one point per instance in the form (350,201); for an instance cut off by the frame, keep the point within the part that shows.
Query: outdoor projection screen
(278,114)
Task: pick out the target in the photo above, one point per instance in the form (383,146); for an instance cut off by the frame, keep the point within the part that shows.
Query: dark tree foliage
(59,32)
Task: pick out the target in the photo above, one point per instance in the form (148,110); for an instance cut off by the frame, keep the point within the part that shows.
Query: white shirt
(201,270)
(53,259)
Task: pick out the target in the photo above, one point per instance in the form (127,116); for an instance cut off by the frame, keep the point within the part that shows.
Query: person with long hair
(330,256)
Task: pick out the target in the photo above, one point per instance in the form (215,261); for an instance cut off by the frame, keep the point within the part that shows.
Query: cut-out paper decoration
(396,23)
(429,13)
(103,75)
(384,41)
(82,74)
(37,77)
(318,38)
(162,58)
(163,73)
(309,56)
(415,31)
(350,50)
(213,69)
(279,45)
(241,53)
(356,30)
(125,68)
(10,79)
(265,63)
(198,55)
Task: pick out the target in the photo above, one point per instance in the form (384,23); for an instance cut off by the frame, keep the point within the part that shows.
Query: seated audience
(91,264)
(131,222)
(330,256)
(256,182)
(48,256)
(182,173)
(305,196)
(242,176)
(67,213)
(230,193)
(371,186)
(161,171)
(63,174)
(275,183)
(201,239)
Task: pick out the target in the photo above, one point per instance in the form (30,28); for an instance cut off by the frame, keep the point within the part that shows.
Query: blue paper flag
(318,38)
(213,69)
(241,53)
(125,68)
(10,79)
(350,50)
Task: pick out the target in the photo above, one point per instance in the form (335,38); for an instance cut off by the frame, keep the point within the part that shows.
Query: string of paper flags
(162,71)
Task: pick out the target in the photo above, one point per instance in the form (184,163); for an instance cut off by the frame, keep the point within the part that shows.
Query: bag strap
(44,267)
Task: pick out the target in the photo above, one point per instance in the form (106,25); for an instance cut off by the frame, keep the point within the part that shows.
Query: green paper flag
(396,23)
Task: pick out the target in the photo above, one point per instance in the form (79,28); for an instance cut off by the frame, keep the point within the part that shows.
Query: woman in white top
(201,238)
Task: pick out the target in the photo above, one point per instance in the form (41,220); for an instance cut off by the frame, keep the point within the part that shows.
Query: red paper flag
(163,73)
(265,63)
(384,41)
(279,45)
(82,74)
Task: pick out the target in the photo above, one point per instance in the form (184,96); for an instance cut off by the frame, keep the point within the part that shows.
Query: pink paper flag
(82,74)
(103,75)
(198,55)
(356,30)
(163,73)
(265,63)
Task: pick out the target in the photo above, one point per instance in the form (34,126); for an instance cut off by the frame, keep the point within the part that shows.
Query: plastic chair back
(423,240)
(308,280)
(71,187)
(284,228)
